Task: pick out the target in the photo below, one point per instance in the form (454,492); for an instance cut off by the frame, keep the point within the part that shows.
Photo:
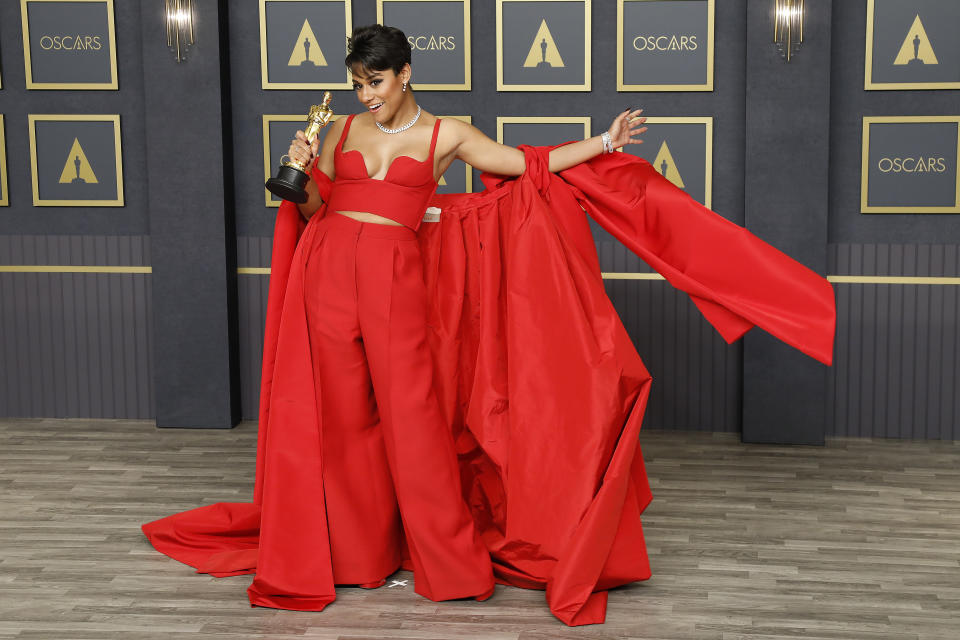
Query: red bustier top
(401,196)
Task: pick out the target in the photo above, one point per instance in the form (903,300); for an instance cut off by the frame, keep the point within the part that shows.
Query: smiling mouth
(375,107)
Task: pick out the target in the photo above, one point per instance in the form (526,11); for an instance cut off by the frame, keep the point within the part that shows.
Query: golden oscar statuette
(292,176)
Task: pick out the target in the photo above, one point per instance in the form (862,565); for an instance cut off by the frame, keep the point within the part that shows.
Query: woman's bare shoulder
(334,129)
(457,129)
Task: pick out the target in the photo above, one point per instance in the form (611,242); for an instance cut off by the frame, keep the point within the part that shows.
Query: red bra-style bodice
(402,194)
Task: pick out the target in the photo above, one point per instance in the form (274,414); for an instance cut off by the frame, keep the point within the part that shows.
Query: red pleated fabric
(535,374)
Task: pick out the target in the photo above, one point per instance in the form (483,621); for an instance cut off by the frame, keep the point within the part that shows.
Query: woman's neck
(404,114)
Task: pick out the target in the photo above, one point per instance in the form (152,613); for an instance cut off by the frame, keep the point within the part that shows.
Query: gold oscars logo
(912,165)
(543,50)
(665,43)
(916,48)
(77,169)
(667,166)
(306,50)
(432,43)
(71,43)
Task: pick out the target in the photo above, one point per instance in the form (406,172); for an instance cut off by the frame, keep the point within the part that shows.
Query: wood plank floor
(856,540)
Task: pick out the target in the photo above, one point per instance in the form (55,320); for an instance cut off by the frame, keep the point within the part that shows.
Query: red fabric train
(536,375)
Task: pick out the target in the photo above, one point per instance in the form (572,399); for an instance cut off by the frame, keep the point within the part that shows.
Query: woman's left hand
(624,129)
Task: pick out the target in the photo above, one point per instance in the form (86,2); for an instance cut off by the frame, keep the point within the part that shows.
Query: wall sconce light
(179,17)
(788,27)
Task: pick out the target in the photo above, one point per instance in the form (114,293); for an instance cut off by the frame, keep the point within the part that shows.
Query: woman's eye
(356,87)
(375,82)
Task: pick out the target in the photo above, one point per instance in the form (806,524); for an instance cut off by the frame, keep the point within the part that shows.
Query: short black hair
(376,47)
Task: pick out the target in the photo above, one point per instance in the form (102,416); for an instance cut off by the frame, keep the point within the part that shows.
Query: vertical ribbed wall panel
(696,375)
(252,305)
(896,372)
(75,345)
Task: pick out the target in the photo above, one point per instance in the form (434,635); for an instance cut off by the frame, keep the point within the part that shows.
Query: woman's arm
(485,154)
(622,132)
(306,153)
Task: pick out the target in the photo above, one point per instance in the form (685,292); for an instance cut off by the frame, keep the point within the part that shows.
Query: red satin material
(535,374)
(385,441)
(403,193)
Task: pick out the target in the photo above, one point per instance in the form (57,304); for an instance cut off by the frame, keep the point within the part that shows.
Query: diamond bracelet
(607,142)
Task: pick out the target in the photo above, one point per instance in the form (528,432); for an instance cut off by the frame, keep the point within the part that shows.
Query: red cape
(537,377)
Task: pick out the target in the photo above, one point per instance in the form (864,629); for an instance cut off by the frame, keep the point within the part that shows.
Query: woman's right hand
(302,151)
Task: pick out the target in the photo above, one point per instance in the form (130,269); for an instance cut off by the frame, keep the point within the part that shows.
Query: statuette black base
(289,184)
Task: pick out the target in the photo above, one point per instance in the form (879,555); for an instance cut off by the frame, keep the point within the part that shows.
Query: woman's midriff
(363,216)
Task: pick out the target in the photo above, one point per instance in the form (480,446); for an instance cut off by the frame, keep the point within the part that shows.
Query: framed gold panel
(865,207)
(502,85)
(4,194)
(32,121)
(707,122)
(623,86)
(270,163)
(921,44)
(32,83)
(503,120)
(435,86)
(266,83)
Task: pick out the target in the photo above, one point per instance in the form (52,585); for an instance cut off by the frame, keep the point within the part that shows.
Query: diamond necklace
(400,128)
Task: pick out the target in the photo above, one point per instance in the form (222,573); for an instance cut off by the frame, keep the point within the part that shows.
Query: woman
(367,315)
(537,380)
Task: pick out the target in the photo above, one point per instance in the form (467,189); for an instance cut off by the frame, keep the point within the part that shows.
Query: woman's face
(381,92)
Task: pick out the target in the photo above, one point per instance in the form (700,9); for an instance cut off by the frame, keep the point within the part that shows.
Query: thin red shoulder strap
(433,141)
(343,134)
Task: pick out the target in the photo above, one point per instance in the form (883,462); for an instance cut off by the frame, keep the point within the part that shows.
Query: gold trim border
(439,86)
(264,78)
(5,197)
(502,120)
(112,35)
(708,86)
(865,162)
(265,271)
(610,275)
(32,119)
(67,268)
(587,66)
(894,280)
(870,85)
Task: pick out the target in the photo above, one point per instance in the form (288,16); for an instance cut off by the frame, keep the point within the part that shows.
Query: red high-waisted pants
(388,454)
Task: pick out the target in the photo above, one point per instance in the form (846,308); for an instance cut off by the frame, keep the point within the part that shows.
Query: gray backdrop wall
(102,345)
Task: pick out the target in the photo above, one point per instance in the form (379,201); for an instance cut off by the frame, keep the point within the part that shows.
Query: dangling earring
(404,86)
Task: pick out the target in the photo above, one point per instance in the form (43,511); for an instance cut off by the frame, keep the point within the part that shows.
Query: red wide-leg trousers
(388,454)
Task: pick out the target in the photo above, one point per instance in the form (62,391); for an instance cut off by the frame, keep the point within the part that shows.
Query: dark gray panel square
(70,42)
(916,41)
(560,62)
(912,164)
(76,160)
(665,42)
(306,42)
(677,151)
(437,40)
